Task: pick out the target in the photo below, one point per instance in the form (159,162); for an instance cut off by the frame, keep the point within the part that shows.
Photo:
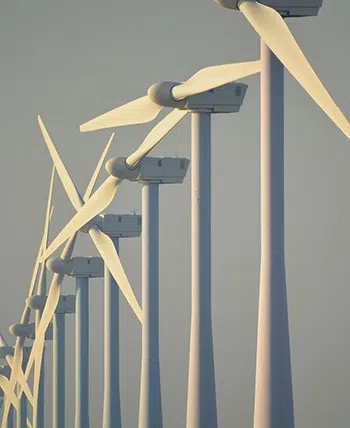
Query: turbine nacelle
(152,170)
(288,8)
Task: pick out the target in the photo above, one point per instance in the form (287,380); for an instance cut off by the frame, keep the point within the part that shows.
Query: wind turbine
(17,360)
(274,406)
(111,236)
(52,301)
(65,306)
(82,269)
(152,173)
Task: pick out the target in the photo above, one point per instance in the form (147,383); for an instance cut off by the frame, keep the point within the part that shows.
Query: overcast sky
(72,60)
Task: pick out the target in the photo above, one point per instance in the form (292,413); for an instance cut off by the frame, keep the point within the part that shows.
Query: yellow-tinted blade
(110,256)
(274,31)
(92,182)
(212,77)
(141,110)
(155,136)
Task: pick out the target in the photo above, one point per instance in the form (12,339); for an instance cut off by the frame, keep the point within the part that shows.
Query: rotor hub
(118,167)
(56,265)
(36,302)
(161,94)
(22,330)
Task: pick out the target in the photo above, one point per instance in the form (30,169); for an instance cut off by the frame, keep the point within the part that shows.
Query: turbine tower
(274,406)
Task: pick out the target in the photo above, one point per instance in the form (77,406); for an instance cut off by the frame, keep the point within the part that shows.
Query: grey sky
(72,60)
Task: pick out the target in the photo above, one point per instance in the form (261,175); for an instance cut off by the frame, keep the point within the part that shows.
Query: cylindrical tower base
(111,401)
(58,381)
(150,414)
(273,389)
(201,401)
(22,410)
(82,354)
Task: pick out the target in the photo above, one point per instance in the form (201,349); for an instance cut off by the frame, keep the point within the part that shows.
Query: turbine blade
(49,210)
(4,383)
(17,359)
(66,180)
(155,136)
(9,398)
(15,363)
(141,110)
(92,183)
(110,256)
(274,31)
(212,77)
(26,313)
(21,378)
(41,278)
(2,341)
(97,203)
(37,372)
(49,310)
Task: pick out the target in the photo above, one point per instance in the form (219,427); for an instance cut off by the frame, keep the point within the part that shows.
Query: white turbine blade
(54,293)
(274,31)
(212,77)
(41,279)
(4,385)
(110,256)
(2,341)
(49,210)
(66,180)
(155,136)
(9,398)
(49,309)
(37,371)
(26,313)
(17,359)
(98,202)
(92,182)
(141,110)
(21,377)
(16,367)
